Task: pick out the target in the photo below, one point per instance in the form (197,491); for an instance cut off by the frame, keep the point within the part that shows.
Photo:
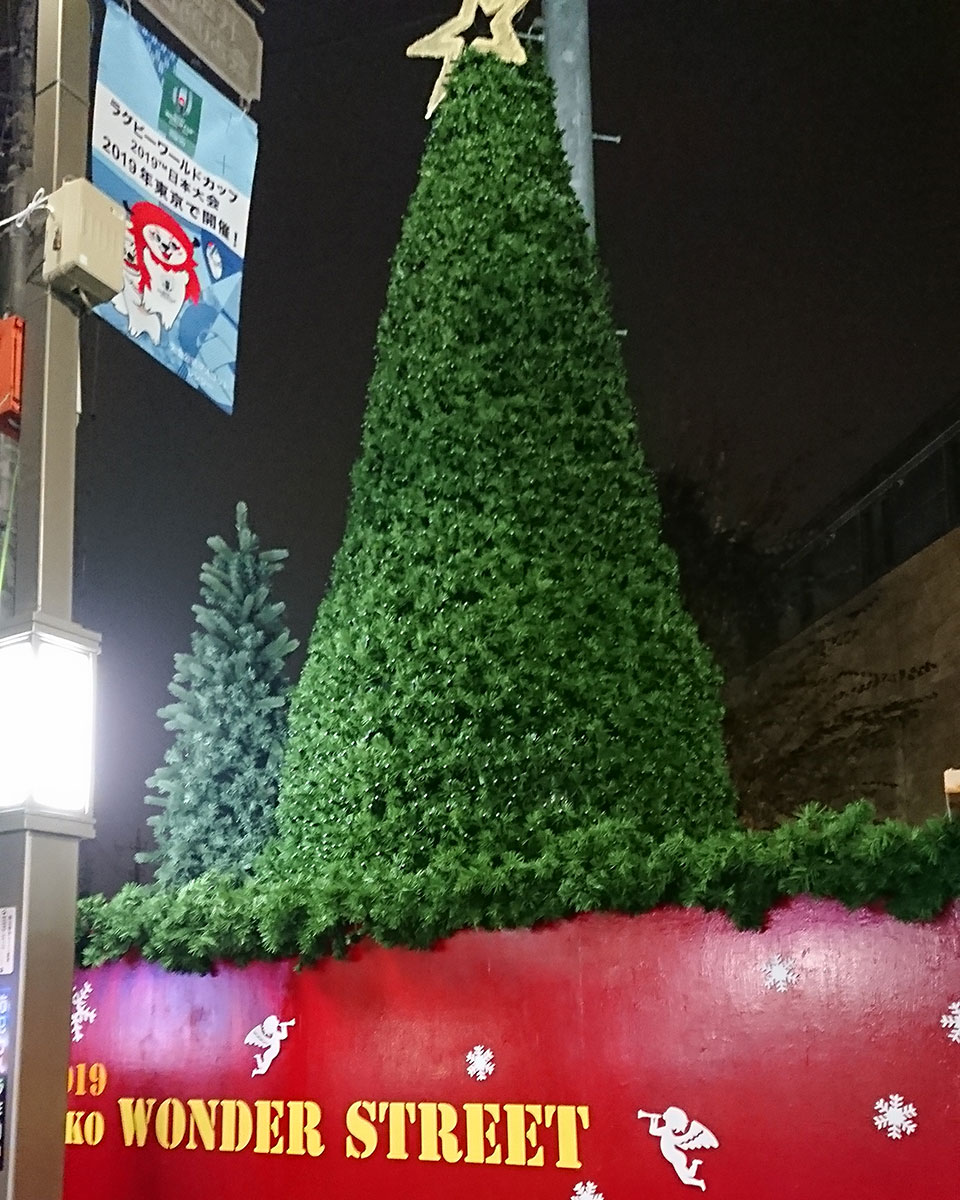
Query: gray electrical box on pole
(567,44)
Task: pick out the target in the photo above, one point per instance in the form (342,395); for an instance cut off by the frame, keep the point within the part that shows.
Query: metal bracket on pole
(534,33)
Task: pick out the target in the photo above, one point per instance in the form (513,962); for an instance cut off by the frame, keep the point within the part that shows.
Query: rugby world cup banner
(181,158)
(602,1058)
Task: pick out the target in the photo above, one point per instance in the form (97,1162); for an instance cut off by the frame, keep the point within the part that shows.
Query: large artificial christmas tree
(218,786)
(505,715)
(502,665)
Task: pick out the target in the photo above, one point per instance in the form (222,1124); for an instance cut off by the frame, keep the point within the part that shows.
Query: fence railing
(897,515)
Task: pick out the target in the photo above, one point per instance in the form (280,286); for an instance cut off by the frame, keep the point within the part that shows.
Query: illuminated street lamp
(47,671)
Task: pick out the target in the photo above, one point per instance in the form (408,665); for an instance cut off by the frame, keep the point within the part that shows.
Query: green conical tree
(218,786)
(502,658)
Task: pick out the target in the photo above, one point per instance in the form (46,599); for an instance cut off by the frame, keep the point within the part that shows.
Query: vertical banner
(181,158)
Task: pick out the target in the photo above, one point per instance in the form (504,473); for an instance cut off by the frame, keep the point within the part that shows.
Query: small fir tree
(218,788)
(502,659)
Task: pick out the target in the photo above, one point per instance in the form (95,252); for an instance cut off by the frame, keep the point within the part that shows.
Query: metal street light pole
(46,662)
(567,44)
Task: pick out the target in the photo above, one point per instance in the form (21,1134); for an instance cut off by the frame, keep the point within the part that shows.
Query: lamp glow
(47,678)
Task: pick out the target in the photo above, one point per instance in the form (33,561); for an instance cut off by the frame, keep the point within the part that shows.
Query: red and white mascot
(159,271)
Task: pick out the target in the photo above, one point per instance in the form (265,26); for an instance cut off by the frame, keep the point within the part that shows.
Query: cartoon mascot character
(129,300)
(160,271)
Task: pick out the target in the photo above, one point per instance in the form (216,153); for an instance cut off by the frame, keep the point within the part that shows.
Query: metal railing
(900,510)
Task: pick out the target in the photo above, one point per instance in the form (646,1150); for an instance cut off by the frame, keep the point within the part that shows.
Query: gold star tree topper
(448,43)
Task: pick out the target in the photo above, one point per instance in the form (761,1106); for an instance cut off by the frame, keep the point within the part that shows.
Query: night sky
(781,224)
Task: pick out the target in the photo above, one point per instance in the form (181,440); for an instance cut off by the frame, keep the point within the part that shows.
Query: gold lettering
(519,1133)
(536,1113)
(236,1125)
(429,1140)
(134,1118)
(303,1133)
(73,1132)
(93,1128)
(83,1128)
(269,1139)
(449,1144)
(491,1133)
(193,1124)
(568,1153)
(516,1150)
(170,1123)
(475,1115)
(438,1123)
(203,1116)
(82,1079)
(399,1114)
(360,1127)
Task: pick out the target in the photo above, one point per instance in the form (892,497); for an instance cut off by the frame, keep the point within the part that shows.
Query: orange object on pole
(11,375)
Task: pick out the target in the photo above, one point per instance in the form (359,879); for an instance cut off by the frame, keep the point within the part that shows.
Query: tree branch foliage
(218,787)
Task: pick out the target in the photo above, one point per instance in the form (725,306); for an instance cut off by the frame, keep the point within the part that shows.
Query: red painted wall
(588,1021)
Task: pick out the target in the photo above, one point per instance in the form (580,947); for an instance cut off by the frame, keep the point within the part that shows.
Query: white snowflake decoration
(951,1021)
(586,1191)
(779,973)
(82,1014)
(480,1064)
(894,1117)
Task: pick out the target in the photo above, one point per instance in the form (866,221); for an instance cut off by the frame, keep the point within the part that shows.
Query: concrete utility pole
(52,342)
(38,849)
(19,50)
(567,44)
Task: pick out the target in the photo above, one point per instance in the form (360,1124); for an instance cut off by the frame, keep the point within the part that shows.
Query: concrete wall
(863,704)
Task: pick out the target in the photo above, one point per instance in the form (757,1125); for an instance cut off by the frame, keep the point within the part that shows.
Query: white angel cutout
(678,1136)
(267,1035)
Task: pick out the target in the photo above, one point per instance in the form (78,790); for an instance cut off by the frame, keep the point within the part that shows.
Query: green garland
(913,871)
